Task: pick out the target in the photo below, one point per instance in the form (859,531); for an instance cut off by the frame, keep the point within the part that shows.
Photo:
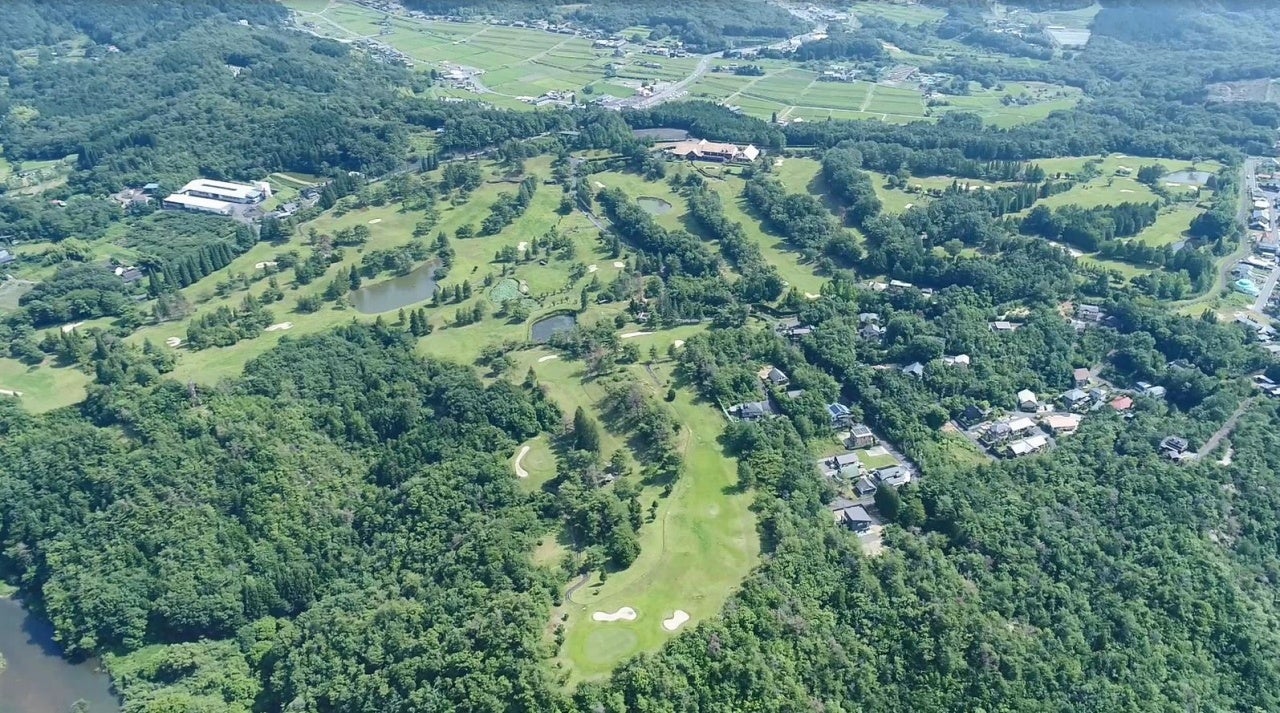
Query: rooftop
(238,190)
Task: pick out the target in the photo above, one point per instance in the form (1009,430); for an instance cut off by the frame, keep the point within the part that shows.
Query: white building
(198,204)
(228,192)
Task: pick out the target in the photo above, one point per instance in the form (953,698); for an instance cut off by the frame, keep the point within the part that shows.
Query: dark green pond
(36,678)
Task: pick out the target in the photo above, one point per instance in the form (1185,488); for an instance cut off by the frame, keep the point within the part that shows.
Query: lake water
(543,329)
(661,134)
(36,678)
(395,293)
(653,206)
(1190,178)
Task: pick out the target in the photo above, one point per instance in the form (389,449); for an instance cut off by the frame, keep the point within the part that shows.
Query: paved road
(1216,439)
(675,90)
(1242,249)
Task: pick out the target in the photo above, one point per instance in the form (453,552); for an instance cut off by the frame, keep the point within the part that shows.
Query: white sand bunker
(678,343)
(11,392)
(548,357)
(524,245)
(619,264)
(264,264)
(375,221)
(632,335)
(592,268)
(280,326)
(811,296)
(599,184)
(1125,190)
(520,471)
(70,327)
(173,342)
(676,620)
(623,614)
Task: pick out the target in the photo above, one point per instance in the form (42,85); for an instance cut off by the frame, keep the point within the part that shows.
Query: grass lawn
(871,462)
(692,557)
(1169,226)
(43,388)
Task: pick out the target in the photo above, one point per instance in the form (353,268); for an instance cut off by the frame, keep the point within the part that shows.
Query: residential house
(871,332)
(855,518)
(796,333)
(795,394)
(1123,404)
(860,436)
(868,318)
(1155,392)
(971,416)
(842,461)
(773,375)
(1081,376)
(1001,326)
(1075,398)
(1091,313)
(751,411)
(1063,424)
(1027,446)
(840,416)
(957,360)
(1027,400)
(864,487)
(893,475)
(6,257)
(1175,448)
(1005,430)
(915,369)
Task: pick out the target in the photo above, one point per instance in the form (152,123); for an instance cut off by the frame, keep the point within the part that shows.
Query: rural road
(675,90)
(1216,439)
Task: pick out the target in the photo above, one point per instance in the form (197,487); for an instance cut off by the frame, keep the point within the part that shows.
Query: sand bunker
(678,343)
(521,472)
(524,245)
(264,264)
(619,264)
(676,620)
(811,296)
(592,268)
(630,335)
(173,342)
(375,221)
(548,357)
(1125,190)
(623,614)
(280,326)
(11,392)
(70,327)
(599,184)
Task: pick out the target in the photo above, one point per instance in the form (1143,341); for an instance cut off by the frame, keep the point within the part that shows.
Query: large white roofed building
(224,191)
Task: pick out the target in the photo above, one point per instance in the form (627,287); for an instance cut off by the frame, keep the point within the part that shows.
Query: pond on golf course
(36,679)
(545,328)
(653,206)
(1189,178)
(402,291)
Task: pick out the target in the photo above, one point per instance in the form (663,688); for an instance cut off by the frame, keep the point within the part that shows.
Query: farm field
(517,62)
(902,13)
(699,548)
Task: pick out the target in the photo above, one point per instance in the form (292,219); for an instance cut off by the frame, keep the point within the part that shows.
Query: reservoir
(1189,178)
(36,679)
(543,329)
(397,292)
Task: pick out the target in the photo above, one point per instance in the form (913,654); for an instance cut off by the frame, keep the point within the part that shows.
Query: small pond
(545,328)
(653,206)
(1188,178)
(36,678)
(402,291)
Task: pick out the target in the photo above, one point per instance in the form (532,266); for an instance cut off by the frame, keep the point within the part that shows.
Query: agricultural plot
(900,12)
